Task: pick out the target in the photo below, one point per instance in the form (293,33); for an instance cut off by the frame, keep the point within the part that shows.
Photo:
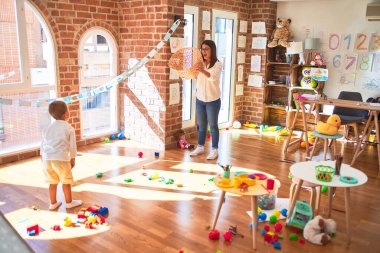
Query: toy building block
(81,213)
(103,211)
(94,209)
(32,230)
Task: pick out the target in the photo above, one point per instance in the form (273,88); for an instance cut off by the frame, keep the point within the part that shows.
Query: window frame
(193,10)
(22,39)
(112,42)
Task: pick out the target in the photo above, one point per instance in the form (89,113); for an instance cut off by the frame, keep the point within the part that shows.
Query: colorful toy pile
(93,215)
(324,173)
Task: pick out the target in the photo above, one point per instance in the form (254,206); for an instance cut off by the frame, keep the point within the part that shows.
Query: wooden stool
(326,139)
(315,194)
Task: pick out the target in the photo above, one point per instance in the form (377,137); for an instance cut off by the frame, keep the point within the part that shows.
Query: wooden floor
(149,216)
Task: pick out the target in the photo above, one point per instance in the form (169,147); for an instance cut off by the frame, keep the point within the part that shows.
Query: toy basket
(185,62)
(324,173)
(267,201)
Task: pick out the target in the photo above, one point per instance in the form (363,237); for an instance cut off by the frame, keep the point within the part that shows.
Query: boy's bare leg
(53,193)
(67,192)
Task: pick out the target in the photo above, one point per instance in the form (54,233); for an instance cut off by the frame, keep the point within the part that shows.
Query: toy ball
(106,140)
(275,238)
(227,236)
(277,245)
(325,189)
(263,232)
(293,237)
(268,237)
(302,241)
(209,131)
(277,227)
(208,135)
(303,144)
(262,216)
(277,214)
(214,235)
(120,136)
(266,228)
(113,137)
(284,212)
(236,124)
(140,154)
(273,219)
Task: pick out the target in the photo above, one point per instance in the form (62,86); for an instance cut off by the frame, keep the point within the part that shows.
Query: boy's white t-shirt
(58,142)
(208,89)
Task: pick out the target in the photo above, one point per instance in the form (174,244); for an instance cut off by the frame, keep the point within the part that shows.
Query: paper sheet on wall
(376,64)
(255,81)
(347,79)
(176,43)
(296,47)
(364,62)
(206,17)
(256,63)
(362,42)
(370,82)
(239,90)
(258,28)
(173,74)
(241,57)
(174,96)
(259,42)
(207,36)
(240,73)
(241,41)
(243,26)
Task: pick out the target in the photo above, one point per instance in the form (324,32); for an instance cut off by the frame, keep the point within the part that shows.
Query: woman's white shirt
(208,89)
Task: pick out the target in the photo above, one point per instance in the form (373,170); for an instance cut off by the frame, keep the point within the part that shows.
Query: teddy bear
(318,61)
(319,230)
(281,34)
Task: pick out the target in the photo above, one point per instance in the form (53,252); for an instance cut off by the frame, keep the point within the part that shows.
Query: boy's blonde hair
(57,109)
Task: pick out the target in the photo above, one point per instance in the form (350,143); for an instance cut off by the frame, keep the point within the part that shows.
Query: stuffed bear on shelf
(281,34)
(320,230)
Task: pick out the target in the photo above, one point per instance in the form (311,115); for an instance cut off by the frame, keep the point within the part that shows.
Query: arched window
(27,72)
(98,64)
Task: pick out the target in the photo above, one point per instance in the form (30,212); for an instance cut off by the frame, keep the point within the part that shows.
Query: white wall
(325,16)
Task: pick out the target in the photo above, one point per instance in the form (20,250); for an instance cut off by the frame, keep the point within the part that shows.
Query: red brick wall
(260,10)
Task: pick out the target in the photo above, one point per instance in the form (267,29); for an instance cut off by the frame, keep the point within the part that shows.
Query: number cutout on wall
(375,42)
(350,62)
(334,41)
(362,42)
(365,62)
(347,44)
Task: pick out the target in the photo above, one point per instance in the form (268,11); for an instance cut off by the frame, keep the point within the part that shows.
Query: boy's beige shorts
(57,171)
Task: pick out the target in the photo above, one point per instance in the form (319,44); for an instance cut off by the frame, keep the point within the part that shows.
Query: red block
(81,213)
(32,228)
(94,209)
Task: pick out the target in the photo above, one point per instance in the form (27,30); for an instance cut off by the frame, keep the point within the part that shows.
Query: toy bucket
(268,201)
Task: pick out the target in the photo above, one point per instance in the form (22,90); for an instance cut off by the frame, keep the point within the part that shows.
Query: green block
(128,180)
(99,174)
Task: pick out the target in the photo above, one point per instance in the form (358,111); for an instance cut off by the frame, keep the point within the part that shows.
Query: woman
(208,99)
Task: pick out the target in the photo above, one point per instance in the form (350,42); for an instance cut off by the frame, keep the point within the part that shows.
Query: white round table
(305,171)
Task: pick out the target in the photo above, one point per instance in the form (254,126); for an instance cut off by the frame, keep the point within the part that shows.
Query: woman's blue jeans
(208,111)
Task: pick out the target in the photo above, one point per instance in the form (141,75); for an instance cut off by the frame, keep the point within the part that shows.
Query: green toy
(99,174)
(306,80)
(293,237)
(107,140)
(348,180)
(302,214)
(128,180)
(324,173)
(325,188)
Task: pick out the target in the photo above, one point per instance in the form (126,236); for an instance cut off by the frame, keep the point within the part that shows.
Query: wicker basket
(185,62)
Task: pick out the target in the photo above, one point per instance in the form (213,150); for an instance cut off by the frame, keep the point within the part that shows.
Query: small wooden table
(253,192)
(305,171)
(372,121)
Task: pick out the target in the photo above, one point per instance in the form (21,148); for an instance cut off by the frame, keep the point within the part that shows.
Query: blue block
(103,211)
(277,245)
(156,154)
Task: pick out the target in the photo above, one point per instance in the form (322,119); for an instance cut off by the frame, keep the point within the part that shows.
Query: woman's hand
(199,67)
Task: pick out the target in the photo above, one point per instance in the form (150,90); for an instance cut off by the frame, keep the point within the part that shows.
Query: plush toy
(318,61)
(331,127)
(319,230)
(306,80)
(182,143)
(281,34)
